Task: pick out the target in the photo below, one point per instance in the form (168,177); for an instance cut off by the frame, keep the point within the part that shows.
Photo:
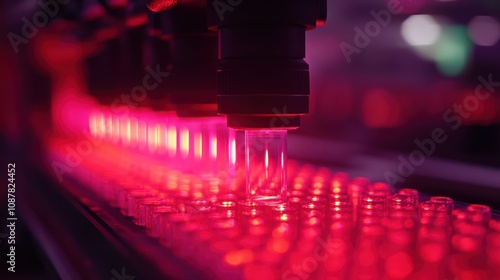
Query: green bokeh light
(452,51)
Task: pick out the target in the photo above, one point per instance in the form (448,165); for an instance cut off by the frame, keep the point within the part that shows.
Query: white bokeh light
(420,30)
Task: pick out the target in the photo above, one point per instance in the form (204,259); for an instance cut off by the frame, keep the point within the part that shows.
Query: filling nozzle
(263,81)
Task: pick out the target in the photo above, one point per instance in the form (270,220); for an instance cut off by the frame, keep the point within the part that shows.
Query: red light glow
(381,109)
(328,226)
(399,265)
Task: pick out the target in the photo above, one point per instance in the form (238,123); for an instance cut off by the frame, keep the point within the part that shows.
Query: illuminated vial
(265,154)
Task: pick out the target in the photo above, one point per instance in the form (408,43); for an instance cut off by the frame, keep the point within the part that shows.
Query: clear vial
(265,153)
(478,213)
(134,198)
(412,193)
(442,203)
(157,225)
(144,209)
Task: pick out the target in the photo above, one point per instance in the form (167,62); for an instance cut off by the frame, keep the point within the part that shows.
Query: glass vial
(265,154)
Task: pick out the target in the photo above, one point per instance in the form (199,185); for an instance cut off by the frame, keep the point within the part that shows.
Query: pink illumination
(198,145)
(153,137)
(213,146)
(233,151)
(142,133)
(100,125)
(116,129)
(127,132)
(109,126)
(172,140)
(134,131)
(266,163)
(162,137)
(327,225)
(93,124)
(184,142)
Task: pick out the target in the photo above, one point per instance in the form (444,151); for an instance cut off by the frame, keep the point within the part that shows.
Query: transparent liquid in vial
(265,155)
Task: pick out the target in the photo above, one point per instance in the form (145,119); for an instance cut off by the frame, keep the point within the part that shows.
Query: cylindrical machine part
(192,81)
(266,165)
(263,78)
